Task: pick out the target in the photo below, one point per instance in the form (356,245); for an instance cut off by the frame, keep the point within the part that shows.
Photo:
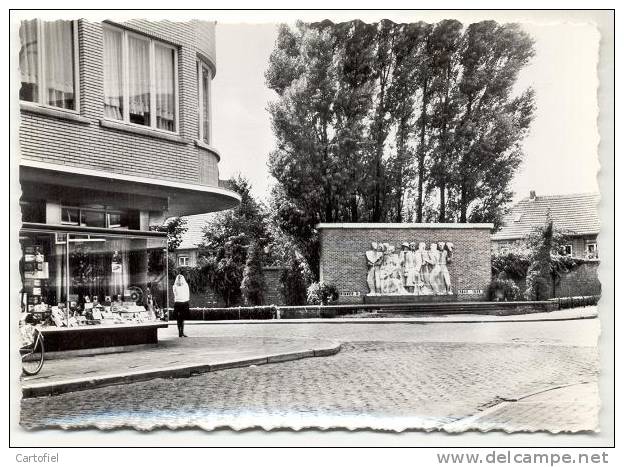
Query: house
(575,214)
(115,137)
(186,254)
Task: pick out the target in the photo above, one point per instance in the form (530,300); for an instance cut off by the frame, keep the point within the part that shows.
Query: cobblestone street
(509,376)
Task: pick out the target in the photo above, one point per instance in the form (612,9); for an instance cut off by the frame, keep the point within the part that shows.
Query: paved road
(514,376)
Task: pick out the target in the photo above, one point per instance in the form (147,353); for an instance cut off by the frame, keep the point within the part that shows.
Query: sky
(561,154)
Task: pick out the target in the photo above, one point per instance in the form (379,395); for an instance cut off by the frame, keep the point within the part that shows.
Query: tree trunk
(442,217)
(328,212)
(353,208)
(377,194)
(421,154)
(463,205)
(445,174)
(399,204)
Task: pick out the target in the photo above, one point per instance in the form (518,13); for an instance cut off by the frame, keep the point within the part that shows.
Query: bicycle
(33,354)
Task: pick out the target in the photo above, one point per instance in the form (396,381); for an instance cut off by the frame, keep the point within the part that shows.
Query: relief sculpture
(411,271)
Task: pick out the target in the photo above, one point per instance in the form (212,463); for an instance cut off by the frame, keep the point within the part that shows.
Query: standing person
(181,297)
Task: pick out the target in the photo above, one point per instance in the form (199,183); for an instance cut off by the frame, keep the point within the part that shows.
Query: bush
(513,264)
(538,285)
(320,293)
(294,280)
(253,284)
(504,289)
(539,275)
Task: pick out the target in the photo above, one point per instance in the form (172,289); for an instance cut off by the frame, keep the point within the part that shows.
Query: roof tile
(575,213)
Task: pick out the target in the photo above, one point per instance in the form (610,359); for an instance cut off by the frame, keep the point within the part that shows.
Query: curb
(485,319)
(182,371)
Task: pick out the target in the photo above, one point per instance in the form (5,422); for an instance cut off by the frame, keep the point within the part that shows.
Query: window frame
(125,78)
(565,248)
(41,85)
(107,212)
(588,253)
(186,260)
(201,64)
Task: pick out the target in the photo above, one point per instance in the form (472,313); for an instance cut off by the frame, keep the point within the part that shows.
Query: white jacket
(181,293)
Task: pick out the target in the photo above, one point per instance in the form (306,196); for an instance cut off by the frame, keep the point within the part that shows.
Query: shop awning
(176,198)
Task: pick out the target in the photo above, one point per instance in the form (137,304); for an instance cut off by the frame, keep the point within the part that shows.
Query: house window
(204,78)
(47,61)
(140,80)
(183,260)
(591,251)
(566,250)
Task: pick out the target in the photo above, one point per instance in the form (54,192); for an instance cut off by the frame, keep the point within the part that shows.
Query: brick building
(576,215)
(344,263)
(114,137)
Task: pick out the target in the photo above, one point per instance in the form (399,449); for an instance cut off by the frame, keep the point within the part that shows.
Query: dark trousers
(181,310)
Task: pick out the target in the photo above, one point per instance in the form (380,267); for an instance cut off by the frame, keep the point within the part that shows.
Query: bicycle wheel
(32,357)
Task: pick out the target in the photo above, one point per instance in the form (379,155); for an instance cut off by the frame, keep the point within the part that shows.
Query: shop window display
(72,279)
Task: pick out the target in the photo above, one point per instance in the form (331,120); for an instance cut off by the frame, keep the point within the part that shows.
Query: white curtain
(206,78)
(165,99)
(59,62)
(138,79)
(29,60)
(113,85)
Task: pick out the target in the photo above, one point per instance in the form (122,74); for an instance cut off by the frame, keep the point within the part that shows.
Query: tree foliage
(174,228)
(227,239)
(252,285)
(390,122)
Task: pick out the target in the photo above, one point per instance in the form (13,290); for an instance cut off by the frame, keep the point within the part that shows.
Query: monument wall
(463,250)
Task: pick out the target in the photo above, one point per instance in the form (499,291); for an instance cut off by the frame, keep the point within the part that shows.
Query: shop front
(93,269)
(91,287)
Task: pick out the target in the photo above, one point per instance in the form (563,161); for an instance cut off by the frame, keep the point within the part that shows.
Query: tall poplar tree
(493,122)
(445,42)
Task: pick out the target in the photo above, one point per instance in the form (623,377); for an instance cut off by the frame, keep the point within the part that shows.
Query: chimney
(532,196)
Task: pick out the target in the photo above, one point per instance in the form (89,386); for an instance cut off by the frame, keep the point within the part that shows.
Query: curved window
(204,78)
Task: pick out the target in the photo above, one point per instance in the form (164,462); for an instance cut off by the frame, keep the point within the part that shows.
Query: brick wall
(580,281)
(89,144)
(273,289)
(272,292)
(343,256)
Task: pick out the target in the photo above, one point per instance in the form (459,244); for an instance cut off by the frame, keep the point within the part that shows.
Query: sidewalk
(172,357)
(587,312)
